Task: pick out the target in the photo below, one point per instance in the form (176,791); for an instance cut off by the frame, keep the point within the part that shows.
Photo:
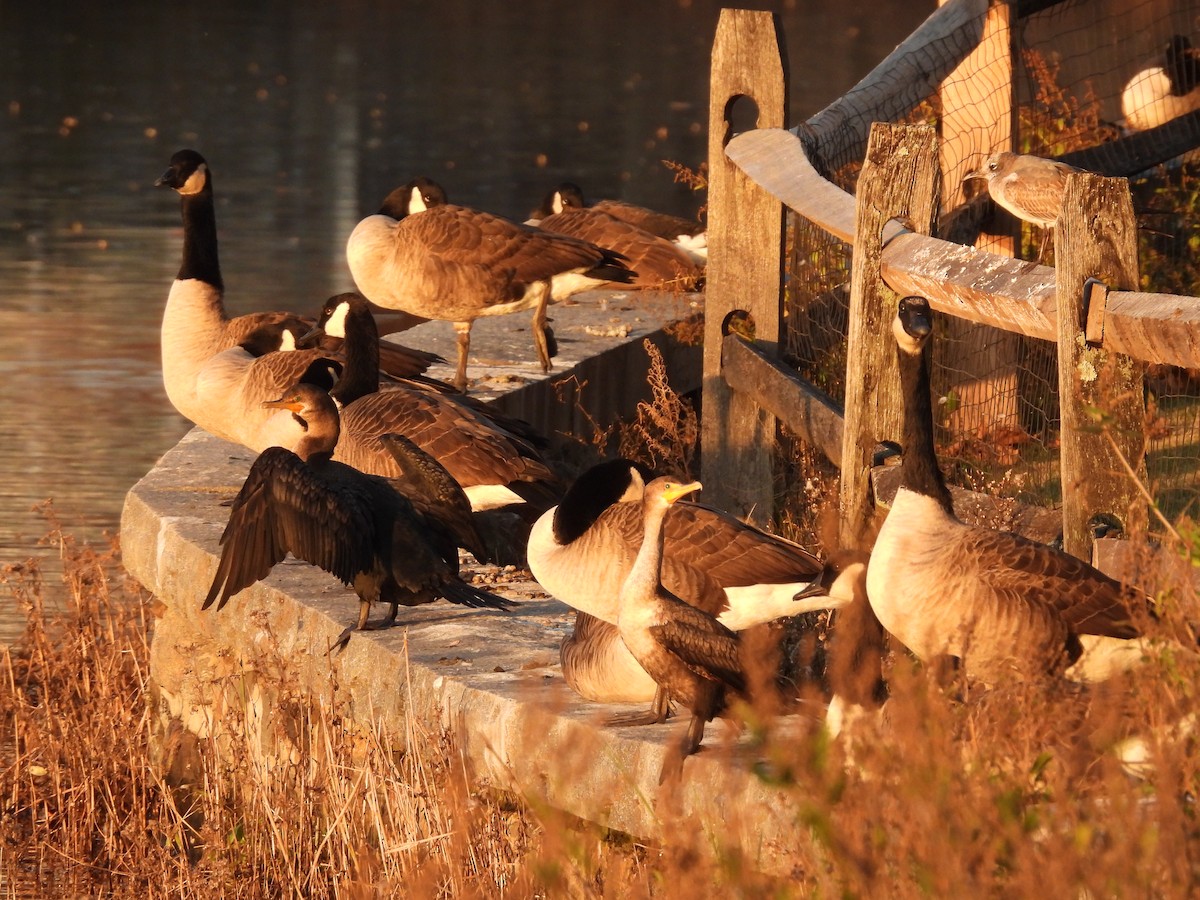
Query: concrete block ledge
(491,679)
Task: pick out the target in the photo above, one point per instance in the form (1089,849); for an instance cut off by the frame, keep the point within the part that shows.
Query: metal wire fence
(1060,77)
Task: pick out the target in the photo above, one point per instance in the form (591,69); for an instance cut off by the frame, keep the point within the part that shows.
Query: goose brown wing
(733,552)
(496,249)
(462,440)
(706,646)
(284,508)
(655,259)
(662,224)
(1024,571)
(682,571)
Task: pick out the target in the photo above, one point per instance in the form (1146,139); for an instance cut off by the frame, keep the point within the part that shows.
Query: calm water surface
(308,113)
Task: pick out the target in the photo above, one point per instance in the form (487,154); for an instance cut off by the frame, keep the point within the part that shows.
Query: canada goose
(1165,90)
(495,458)
(691,656)
(688,234)
(659,263)
(357,527)
(1029,187)
(581,550)
(209,378)
(443,261)
(999,603)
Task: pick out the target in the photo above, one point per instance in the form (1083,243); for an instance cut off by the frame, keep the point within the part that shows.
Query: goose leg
(463,330)
(540,340)
(659,709)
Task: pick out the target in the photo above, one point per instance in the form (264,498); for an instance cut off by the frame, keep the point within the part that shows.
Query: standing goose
(357,527)
(493,457)
(691,656)
(209,378)
(689,235)
(999,603)
(442,261)
(581,551)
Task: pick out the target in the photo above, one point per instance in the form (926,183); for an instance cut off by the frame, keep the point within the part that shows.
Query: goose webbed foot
(363,625)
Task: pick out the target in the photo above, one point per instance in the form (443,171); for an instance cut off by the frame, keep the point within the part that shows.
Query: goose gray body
(999,603)
(360,528)
(660,263)
(457,264)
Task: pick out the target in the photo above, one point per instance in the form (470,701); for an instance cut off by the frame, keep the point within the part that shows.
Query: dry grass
(1010,792)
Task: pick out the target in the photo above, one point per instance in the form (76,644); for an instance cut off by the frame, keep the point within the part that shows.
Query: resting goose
(359,528)
(999,603)
(688,235)
(209,377)
(493,457)
(1165,90)
(442,261)
(581,550)
(659,263)
(692,657)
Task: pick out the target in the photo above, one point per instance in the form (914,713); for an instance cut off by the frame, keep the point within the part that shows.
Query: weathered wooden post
(1096,237)
(745,266)
(899,180)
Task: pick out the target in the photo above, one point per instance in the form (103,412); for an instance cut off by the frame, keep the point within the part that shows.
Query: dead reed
(1015,791)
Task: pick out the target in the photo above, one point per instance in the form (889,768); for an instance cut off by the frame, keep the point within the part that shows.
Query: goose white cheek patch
(336,326)
(196,181)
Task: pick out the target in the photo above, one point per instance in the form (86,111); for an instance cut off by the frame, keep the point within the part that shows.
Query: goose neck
(920,472)
(200,259)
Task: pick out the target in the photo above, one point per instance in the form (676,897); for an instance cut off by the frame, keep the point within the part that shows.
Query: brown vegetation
(1012,791)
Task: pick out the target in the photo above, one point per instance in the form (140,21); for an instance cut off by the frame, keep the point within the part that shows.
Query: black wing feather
(284,507)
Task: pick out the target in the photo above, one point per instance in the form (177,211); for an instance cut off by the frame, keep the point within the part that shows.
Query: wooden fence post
(1096,237)
(899,180)
(745,264)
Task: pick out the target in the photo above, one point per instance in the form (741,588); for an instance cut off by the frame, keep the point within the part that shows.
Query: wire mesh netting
(1116,79)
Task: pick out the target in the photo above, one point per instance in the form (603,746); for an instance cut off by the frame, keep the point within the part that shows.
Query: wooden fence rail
(1105,330)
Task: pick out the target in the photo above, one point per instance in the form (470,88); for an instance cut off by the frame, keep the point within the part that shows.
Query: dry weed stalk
(665,433)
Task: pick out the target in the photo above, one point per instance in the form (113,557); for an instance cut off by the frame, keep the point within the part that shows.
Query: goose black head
(332,318)
(416,196)
(595,491)
(913,324)
(187,173)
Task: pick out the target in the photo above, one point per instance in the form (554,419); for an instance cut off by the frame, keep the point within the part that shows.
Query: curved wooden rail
(994,290)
